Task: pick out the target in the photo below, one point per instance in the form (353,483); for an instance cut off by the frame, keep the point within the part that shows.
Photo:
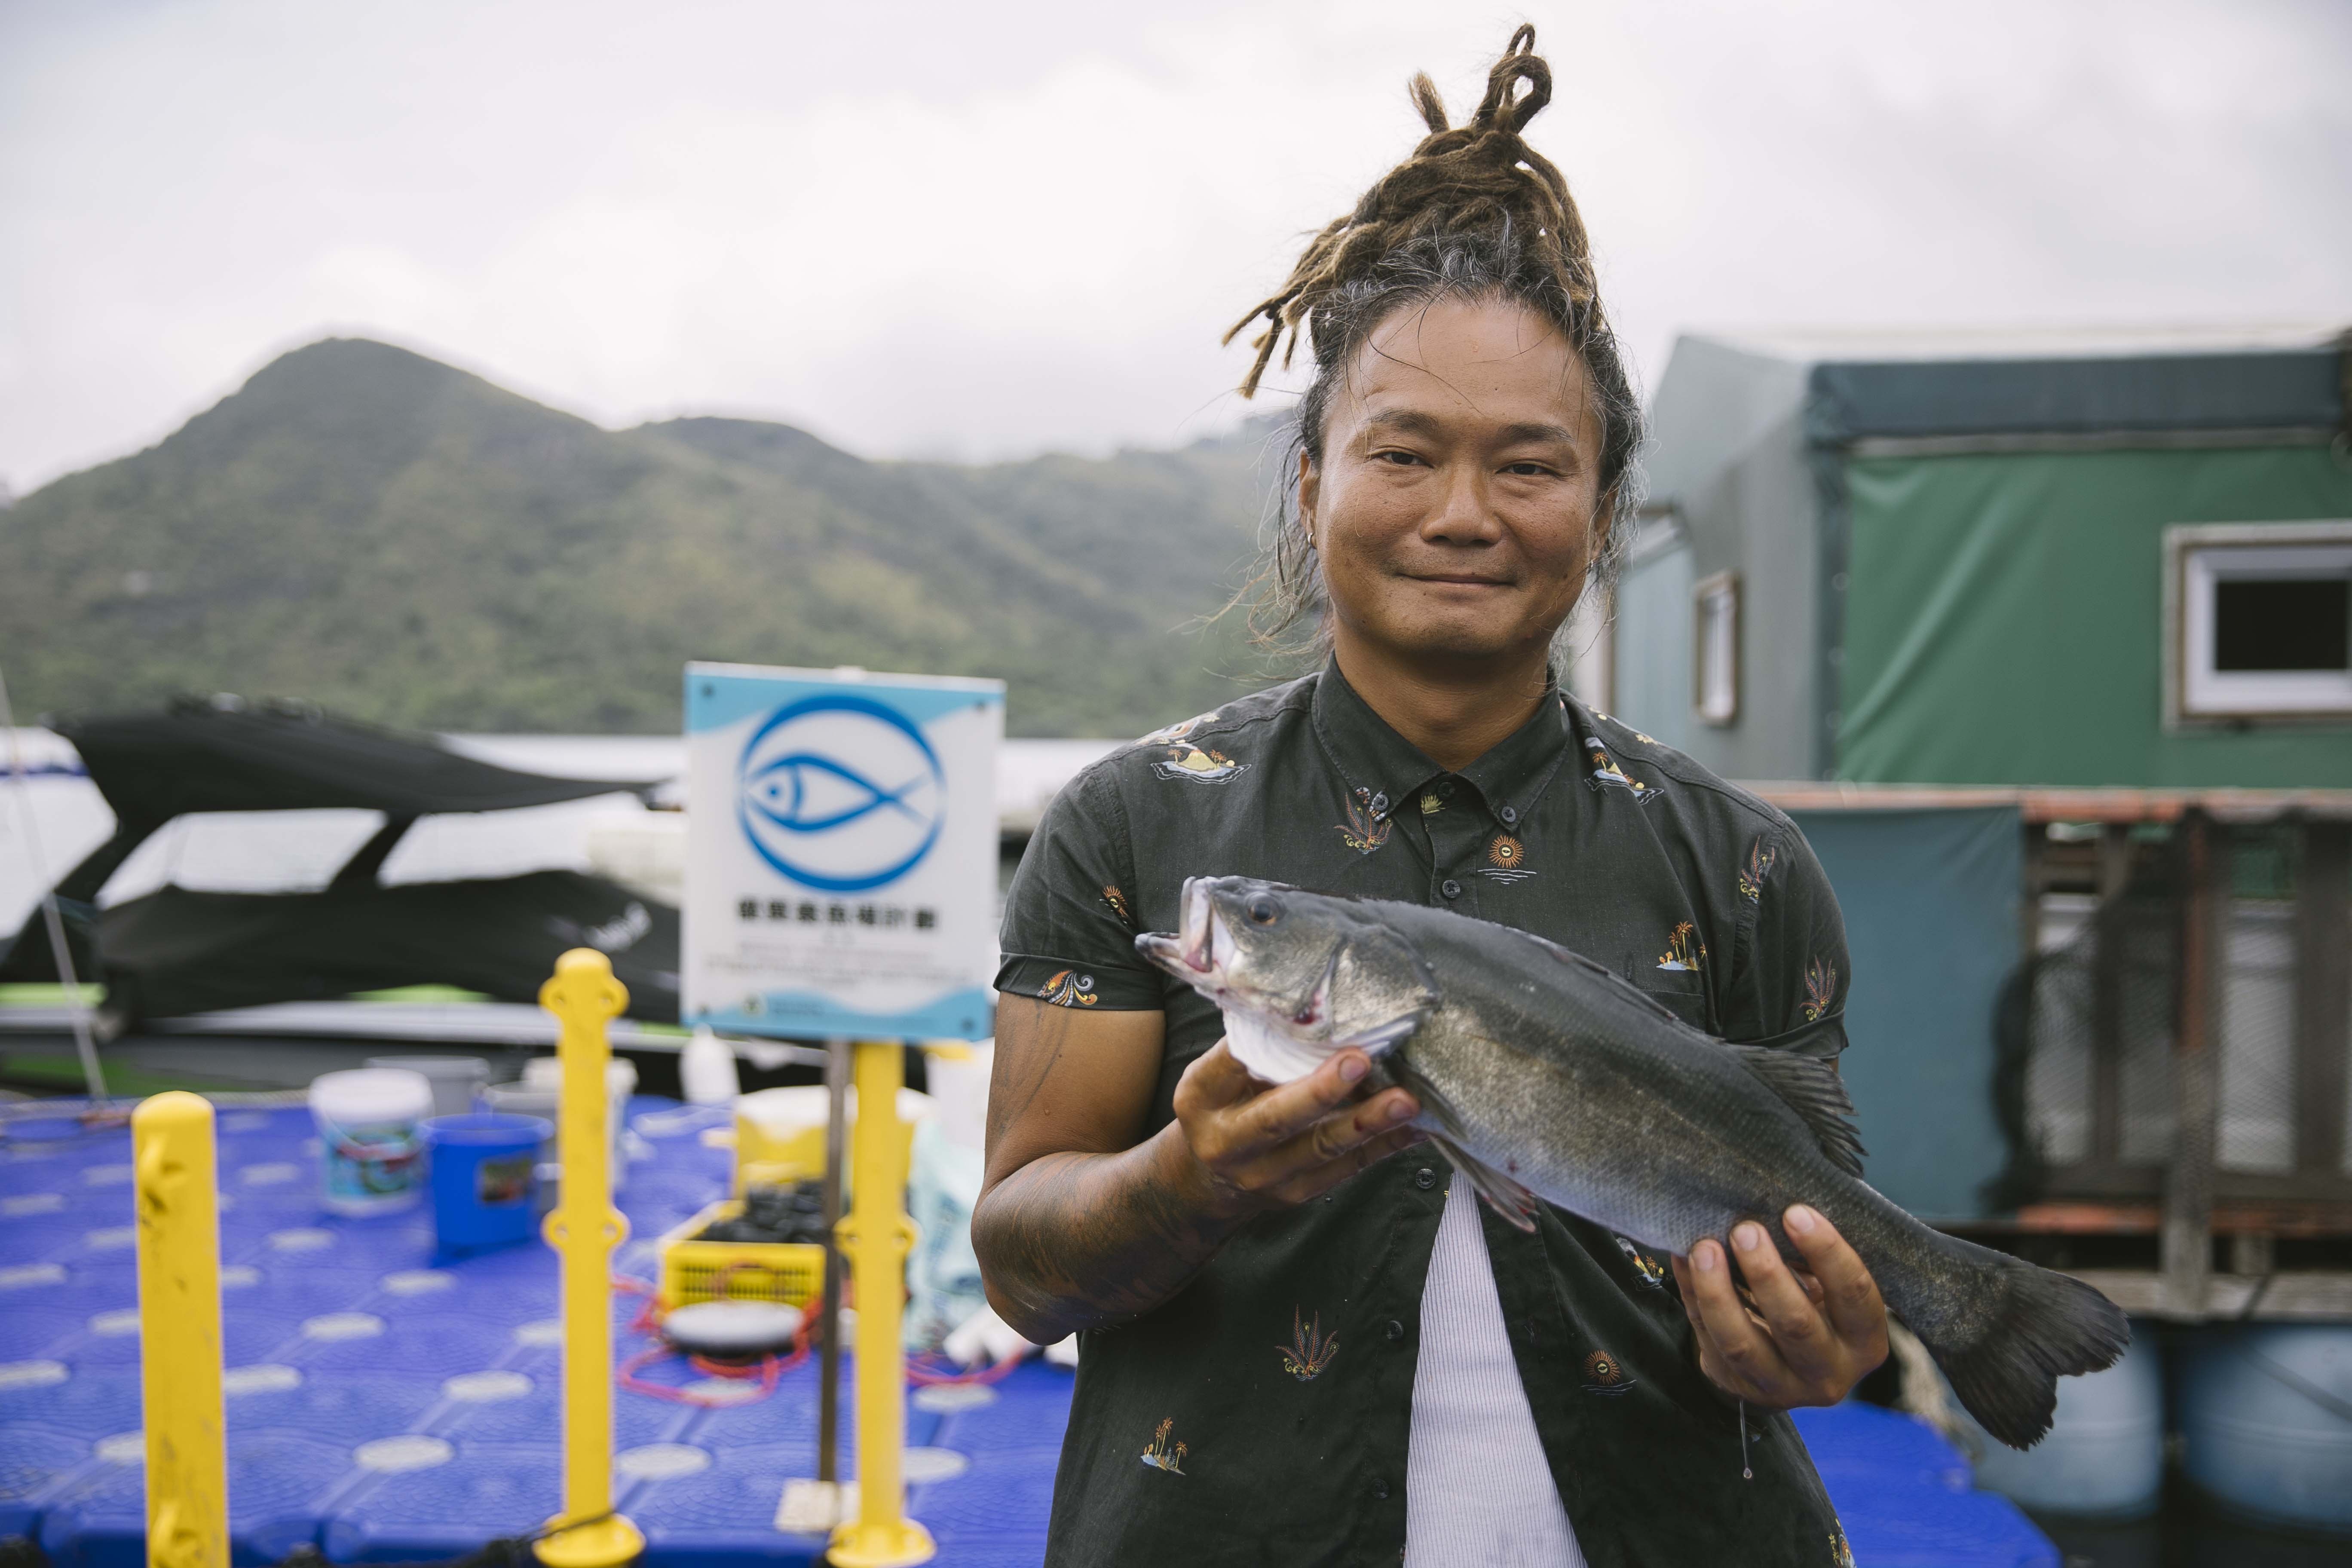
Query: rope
(768,1371)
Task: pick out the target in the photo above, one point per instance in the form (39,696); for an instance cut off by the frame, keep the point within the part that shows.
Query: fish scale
(1546,1077)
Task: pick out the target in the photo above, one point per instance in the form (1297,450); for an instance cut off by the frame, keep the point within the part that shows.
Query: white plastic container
(706,1069)
(371,1144)
(455,1080)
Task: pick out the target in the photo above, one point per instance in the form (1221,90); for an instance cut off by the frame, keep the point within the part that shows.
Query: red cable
(920,1375)
(768,1370)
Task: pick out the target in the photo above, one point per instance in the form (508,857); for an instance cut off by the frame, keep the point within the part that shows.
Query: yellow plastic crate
(789,1273)
(762,1160)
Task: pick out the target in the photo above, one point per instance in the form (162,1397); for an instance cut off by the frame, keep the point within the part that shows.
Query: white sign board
(841,853)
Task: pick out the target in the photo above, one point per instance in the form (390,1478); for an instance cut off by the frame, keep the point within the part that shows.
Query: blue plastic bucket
(2266,1414)
(484,1179)
(2103,1459)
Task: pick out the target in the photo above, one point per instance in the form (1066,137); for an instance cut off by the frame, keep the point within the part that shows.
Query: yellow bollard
(180,1333)
(584,1228)
(877,1236)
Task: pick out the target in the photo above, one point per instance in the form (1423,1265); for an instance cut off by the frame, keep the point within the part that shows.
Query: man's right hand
(1085,1219)
(1259,1148)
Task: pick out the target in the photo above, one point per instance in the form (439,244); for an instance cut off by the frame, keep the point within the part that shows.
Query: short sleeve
(1797,972)
(1069,932)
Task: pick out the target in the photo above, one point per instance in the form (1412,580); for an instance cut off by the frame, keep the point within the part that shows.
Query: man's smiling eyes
(1396,457)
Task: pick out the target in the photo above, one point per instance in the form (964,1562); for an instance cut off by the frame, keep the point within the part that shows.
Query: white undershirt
(1478,1491)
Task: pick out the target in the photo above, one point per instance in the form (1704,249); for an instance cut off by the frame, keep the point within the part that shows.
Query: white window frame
(2199,556)
(1718,708)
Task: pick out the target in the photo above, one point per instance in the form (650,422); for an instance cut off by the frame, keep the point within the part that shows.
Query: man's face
(1455,509)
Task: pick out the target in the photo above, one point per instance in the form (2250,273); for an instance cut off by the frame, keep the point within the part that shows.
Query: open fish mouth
(1202,954)
(1203,948)
(1208,944)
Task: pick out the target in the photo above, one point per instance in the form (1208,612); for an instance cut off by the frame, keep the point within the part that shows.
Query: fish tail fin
(2042,1326)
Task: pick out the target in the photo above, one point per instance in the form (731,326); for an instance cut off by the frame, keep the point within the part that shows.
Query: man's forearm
(1075,1241)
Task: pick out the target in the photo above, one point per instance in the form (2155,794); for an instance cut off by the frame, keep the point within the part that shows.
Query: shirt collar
(1383,769)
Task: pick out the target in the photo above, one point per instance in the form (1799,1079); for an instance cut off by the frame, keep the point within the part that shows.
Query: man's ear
(1311,492)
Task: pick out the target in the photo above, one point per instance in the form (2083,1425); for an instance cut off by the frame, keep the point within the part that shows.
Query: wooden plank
(2323,985)
(2316,1296)
(2285,1218)
(2186,1240)
(2111,940)
(2060,805)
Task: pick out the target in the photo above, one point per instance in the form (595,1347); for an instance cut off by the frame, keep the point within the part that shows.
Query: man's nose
(1464,515)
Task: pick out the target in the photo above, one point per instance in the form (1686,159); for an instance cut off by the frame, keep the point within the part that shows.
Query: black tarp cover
(152,767)
(175,952)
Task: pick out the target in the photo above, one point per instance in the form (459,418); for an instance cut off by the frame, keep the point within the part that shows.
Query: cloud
(956,230)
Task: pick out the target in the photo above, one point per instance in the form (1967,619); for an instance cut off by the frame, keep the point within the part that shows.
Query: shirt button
(1424,1178)
(1395,1329)
(1450,888)
(1380,1490)
(1509,815)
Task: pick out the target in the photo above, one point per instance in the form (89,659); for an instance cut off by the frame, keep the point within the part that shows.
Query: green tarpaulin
(2005,620)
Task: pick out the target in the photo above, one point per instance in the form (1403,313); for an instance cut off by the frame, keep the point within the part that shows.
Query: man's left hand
(1797,1339)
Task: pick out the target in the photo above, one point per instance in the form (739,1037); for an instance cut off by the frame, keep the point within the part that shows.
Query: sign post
(841,866)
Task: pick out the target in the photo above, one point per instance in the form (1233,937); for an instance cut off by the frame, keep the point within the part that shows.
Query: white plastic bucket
(455,1080)
(372,1146)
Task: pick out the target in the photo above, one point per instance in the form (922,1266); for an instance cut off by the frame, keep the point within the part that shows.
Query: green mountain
(371,530)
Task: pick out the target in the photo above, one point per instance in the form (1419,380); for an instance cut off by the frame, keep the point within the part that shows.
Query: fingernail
(1351,1066)
(1747,1236)
(1704,1257)
(1798,1218)
(1400,1112)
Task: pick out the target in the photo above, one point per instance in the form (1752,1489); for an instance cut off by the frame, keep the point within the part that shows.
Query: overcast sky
(951,229)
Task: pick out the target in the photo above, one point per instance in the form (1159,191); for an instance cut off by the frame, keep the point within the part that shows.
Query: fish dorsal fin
(1811,1088)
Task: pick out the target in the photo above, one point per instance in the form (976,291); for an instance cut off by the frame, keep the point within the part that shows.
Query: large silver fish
(1542,1075)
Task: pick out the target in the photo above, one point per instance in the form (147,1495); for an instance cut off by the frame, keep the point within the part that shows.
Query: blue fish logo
(793,792)
(840,793)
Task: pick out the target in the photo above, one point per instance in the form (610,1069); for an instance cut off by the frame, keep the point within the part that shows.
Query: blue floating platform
(1905,1497)
(388,1406)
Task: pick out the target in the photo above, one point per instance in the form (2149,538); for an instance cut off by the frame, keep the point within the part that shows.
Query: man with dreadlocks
(1295,1348)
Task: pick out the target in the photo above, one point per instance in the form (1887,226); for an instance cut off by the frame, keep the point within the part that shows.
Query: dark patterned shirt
(1263,1413)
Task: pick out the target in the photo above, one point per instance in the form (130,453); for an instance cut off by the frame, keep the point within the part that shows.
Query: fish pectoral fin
(1383,1036)
(1810,1086)
(1508,1197)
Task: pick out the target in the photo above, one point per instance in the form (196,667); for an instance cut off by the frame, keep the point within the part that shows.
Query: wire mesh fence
(2091,1027)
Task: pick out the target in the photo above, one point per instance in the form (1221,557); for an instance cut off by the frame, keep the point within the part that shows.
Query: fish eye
(1262,912)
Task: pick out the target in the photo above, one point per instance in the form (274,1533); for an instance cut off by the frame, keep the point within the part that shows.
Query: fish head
(1299,976)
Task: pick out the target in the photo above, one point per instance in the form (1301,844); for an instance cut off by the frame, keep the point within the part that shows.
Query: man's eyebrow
(1413,422)
(1536,430)
(1408,421)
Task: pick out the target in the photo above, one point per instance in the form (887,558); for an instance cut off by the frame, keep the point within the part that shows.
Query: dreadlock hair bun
(1476,214)
(1481,178)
